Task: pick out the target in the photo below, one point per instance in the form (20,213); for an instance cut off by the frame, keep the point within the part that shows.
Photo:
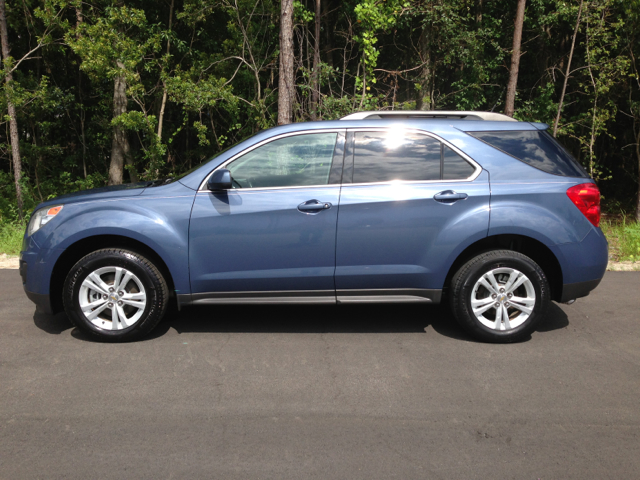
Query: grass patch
(11,237)
(624,238)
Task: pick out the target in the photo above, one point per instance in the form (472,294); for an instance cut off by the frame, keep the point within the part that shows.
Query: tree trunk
(568,72)
(164,85)
(13,122)
(120,143)
(286,80)
(515,59)
(79,20)
(315,79)
(328,33)
(426,74)
(638,157)
(478,13)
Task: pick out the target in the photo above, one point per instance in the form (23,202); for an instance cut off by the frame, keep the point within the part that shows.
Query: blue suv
(487,213)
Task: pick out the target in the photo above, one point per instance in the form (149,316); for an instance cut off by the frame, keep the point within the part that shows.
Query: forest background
(109,91)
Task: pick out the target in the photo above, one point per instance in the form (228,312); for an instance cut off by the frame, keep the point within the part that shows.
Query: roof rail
(426,114)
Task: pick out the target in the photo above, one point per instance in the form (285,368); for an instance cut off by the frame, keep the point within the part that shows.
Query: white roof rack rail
(426,114)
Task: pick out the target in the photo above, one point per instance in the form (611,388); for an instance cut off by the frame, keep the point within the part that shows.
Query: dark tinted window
(394,155)
(455,167)
(536,148)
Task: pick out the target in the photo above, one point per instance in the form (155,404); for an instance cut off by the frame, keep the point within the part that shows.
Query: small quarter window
(454,167)
(292,161)
(395,155)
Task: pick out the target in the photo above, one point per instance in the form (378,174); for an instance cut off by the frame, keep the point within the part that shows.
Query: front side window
(292,161)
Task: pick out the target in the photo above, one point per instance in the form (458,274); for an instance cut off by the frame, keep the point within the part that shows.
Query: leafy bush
(11,234)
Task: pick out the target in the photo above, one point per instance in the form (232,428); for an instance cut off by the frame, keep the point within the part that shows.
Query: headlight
(41,217)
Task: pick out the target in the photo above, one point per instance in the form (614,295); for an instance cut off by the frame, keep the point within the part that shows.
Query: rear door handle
(313,206)
(449,196)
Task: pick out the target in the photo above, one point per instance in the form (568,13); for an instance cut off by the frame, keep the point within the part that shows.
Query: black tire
(144,272)
(500,262)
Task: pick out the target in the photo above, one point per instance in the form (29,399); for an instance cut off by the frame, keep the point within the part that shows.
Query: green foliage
(211,75)
(624,238)
(11,234)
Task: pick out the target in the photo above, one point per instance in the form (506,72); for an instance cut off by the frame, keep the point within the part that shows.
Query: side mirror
(220,180)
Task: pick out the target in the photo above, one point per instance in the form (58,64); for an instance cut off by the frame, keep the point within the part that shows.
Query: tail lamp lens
(586,197)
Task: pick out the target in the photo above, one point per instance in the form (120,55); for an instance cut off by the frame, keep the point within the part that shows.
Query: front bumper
(42,301)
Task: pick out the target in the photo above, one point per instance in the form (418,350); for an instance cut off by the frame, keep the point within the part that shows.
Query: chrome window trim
(203,184)
(476,173)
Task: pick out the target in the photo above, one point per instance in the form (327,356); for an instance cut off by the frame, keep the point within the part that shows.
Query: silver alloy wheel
(112,298)
(503,298)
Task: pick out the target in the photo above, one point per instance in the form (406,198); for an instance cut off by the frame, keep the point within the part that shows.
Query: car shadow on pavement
(53,324)
(371,318)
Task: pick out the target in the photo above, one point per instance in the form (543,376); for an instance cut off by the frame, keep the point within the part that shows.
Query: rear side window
(386,156)
(535,148)
(394,155)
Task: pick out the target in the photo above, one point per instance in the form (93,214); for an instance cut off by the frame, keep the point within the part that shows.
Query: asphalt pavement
(327,392)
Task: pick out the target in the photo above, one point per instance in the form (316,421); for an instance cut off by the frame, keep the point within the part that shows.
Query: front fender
(162,224)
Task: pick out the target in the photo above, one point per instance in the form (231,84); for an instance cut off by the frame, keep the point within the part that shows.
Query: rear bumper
(583,264)
(571,291)
(42,301)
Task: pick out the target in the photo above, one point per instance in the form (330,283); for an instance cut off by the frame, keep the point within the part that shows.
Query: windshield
(193,169)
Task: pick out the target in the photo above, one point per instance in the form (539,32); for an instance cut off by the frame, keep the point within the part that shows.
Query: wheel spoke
(124,281)
(505,318)
(516,284)
(114,318)
(494,282)
(123,317)
(137,304)
(90,306)
(116,278)
(498,322)
(96,312)
(523,304)
(479,302)
(513,276)
(134,296)
(92,286)
(483,281)
(482,305)
(98,282)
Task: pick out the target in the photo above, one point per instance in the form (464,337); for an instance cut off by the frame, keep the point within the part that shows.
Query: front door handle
(313,206)
(449,196)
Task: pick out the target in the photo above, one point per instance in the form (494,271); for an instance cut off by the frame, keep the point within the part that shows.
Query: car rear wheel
(115,295)
(499,296)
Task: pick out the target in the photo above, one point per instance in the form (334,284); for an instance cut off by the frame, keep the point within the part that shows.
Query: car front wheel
(115,295)
(500,296)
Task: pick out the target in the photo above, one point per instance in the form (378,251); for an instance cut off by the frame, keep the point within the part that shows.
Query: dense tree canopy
(152,88)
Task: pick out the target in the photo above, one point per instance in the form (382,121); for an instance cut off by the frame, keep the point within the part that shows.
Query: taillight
(586,197)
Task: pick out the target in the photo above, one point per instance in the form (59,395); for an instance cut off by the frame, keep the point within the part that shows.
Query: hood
(100,193)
